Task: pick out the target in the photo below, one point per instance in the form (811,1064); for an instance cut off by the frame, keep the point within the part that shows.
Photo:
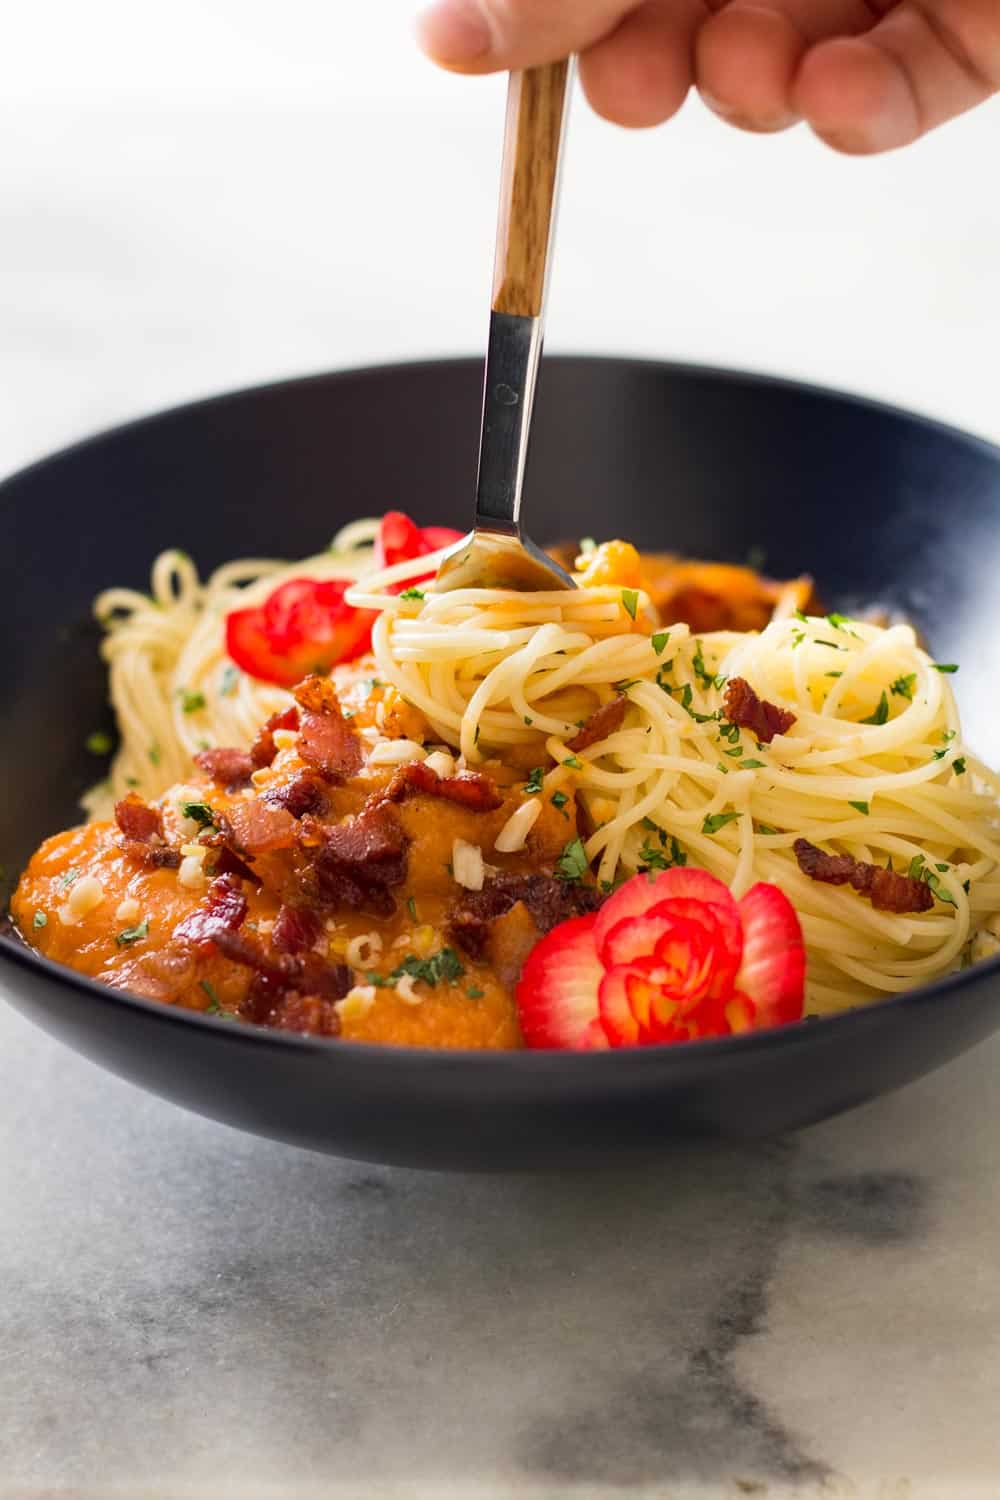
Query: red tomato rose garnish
(669,959)
(303,626)
(401,540)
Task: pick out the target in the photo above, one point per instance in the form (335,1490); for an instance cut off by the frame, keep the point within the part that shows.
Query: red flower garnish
(400,540)
(303,626)
(670,959)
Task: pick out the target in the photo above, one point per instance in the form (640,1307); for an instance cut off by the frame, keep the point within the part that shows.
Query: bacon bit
(303,794)
(469,789)
(142,827)
(744,708)
(603,721)
(223,911)
(254,827)
(306,1013)
(297,994)
(137,820)
(886,890)
(355,863)
(263,750)
(296,929)
(327,740)
(549,901)
(229,767)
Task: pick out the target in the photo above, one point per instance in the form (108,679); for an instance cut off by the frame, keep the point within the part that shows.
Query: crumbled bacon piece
(296,929)
(253,826)
(303,794)
(142,830)
(355,863)
(327,740)
(764,720)
(550,901)
(887,890)
(469,789)
(603,722)
(137,820)
(228,767)
(263,750)
(223,911)
(270,1003)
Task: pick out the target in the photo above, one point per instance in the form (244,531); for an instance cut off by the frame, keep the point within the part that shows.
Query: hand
(867,75)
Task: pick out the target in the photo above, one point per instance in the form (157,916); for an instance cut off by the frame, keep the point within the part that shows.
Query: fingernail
(454,31)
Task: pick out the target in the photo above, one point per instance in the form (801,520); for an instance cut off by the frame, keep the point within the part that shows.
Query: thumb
(485,36)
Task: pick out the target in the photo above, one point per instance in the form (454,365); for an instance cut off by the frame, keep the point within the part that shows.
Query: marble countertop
(188,1312)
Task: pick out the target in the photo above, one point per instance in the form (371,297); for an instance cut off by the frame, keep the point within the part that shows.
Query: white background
(219,192)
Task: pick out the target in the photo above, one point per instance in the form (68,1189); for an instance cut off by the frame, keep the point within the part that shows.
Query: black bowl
(881,506)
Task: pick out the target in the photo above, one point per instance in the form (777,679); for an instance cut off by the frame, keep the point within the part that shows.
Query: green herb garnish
(840,622)
(412,594)
(751,765)
(474,993)
(717,821)
(572,863)
(133,934)
(947,667)
(39,919)
(155,754)
(533,785)
(630,599)
(214,1007)
(559,800)
(411,907)
(661,859)
(861,807)
(767,830)
(191,702)
(445,964)
(958,766)
(903,686)
(573,763)
(881,714)
(833,674)
(659,641)
(198,812)
(98,743)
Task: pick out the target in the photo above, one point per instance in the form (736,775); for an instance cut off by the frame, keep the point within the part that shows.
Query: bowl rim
(17,951)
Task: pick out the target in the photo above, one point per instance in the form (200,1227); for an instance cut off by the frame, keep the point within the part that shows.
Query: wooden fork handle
(536,110)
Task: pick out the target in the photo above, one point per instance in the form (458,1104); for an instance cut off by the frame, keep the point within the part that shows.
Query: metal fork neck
(512,359)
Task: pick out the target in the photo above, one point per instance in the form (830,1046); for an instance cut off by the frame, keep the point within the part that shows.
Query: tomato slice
(303,626)
(400,539)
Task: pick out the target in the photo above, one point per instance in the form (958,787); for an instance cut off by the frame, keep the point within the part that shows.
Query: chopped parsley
(411,907)
(533,785)
(720,767)
(155,754)
(528,719)
(861,807)
(798,636)
(630,600)
(39,919)
(840,622)
(670,856)
(230,681)
(818,641)
(98,743)
(623,687)
(191,702)
(947,667)
(958,766)
(947,736)
(833,674)
(940,890)
(132,781)
(659,641)
(214,1007)
(730,732)
(750,765)
(198,812)
(768,831)
(903,686)
(412,594)
(559,800)
(881,714)
(133,934)
(473,992)
(67,880)
(573,763)
(572,863)
(718,820)
(445,964)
